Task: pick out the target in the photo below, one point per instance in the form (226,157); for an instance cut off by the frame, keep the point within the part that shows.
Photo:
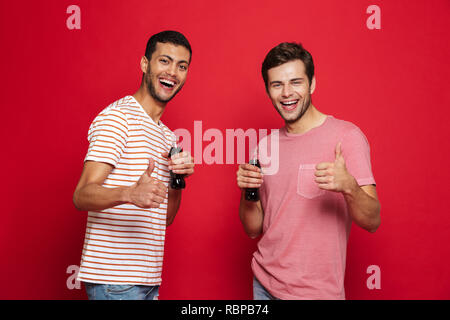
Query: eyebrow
(276,81)
(294,79)
(171,59)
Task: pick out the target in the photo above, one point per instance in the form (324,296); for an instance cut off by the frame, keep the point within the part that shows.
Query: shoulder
(125,110)
(126,107)
(343,125)
(346,128)
(118,116)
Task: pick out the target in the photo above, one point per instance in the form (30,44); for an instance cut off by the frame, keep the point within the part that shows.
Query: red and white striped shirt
(125,244)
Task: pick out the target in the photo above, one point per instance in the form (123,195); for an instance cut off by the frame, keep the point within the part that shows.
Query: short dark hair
(168,36)
(286,52)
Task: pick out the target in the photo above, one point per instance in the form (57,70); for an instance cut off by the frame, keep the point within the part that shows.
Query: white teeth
(168,82)
(287,103)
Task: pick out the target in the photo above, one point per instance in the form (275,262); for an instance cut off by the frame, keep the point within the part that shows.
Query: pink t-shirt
(302,252)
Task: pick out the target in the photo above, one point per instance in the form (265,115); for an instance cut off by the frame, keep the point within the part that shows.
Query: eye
(164,61)
(183,67)
(276,85)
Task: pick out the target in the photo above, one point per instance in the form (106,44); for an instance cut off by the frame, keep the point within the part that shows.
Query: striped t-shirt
(125,244)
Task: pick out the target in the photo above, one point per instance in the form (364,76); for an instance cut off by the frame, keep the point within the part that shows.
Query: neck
(311,119)
(153,107)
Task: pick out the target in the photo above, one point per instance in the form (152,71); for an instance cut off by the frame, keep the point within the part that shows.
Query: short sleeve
(107,137)
(356,152)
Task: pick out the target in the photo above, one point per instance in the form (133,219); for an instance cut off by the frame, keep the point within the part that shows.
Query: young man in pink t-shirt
(323,183)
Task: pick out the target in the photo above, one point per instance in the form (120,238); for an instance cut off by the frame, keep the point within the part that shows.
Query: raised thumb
(151,166)
(338,151)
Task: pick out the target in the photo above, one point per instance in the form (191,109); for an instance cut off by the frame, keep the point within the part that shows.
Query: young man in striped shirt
(124,183)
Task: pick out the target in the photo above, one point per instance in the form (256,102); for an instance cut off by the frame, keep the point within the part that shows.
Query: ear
(313,85)
(144,64)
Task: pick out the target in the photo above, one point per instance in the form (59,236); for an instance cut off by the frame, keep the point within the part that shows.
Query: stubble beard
(151,88)
(305,106)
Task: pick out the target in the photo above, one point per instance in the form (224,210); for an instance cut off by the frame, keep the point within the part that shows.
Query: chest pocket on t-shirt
(306,184)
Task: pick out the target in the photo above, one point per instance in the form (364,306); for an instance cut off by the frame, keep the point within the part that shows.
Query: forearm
(95,197)
(251,215)
(363,208)
(173,205)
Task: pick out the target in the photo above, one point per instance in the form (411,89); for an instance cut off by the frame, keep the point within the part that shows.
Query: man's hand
(250,213)
(333,176)
(362,202)
(249,176)
(147,192)
(181,163)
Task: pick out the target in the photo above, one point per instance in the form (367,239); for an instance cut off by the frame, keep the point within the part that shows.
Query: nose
(287,91)
(172,70)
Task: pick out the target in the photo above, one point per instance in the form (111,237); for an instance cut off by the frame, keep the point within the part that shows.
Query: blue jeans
(98,291)
(261,293)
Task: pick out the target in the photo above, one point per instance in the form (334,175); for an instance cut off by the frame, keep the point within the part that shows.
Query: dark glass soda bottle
(176,180)
(252,194)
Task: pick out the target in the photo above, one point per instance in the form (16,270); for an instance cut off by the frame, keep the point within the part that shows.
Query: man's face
(289,89)
(166,71)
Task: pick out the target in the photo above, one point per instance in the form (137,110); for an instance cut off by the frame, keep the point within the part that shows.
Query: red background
(392,83)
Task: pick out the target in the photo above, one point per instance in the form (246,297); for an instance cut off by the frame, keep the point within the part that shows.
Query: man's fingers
(157,188)
(320,173)
(323,173)
(252,184)
(157,198)
(183,171)
(150,200)
(326,179)
(180,161)
(248,170)
(185,168)
(250,180)
(181,166)
(326,186)
(161,189)
(250,174)
(249,167)
(152,204)
(324,165)
(183,154)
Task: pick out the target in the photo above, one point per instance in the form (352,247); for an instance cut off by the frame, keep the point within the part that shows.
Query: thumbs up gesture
(333,176)
(148,192)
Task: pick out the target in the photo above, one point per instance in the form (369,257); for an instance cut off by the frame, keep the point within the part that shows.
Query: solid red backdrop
(391,82)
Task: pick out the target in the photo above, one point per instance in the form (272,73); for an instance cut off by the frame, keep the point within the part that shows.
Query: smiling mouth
(289,105)
(167,84)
